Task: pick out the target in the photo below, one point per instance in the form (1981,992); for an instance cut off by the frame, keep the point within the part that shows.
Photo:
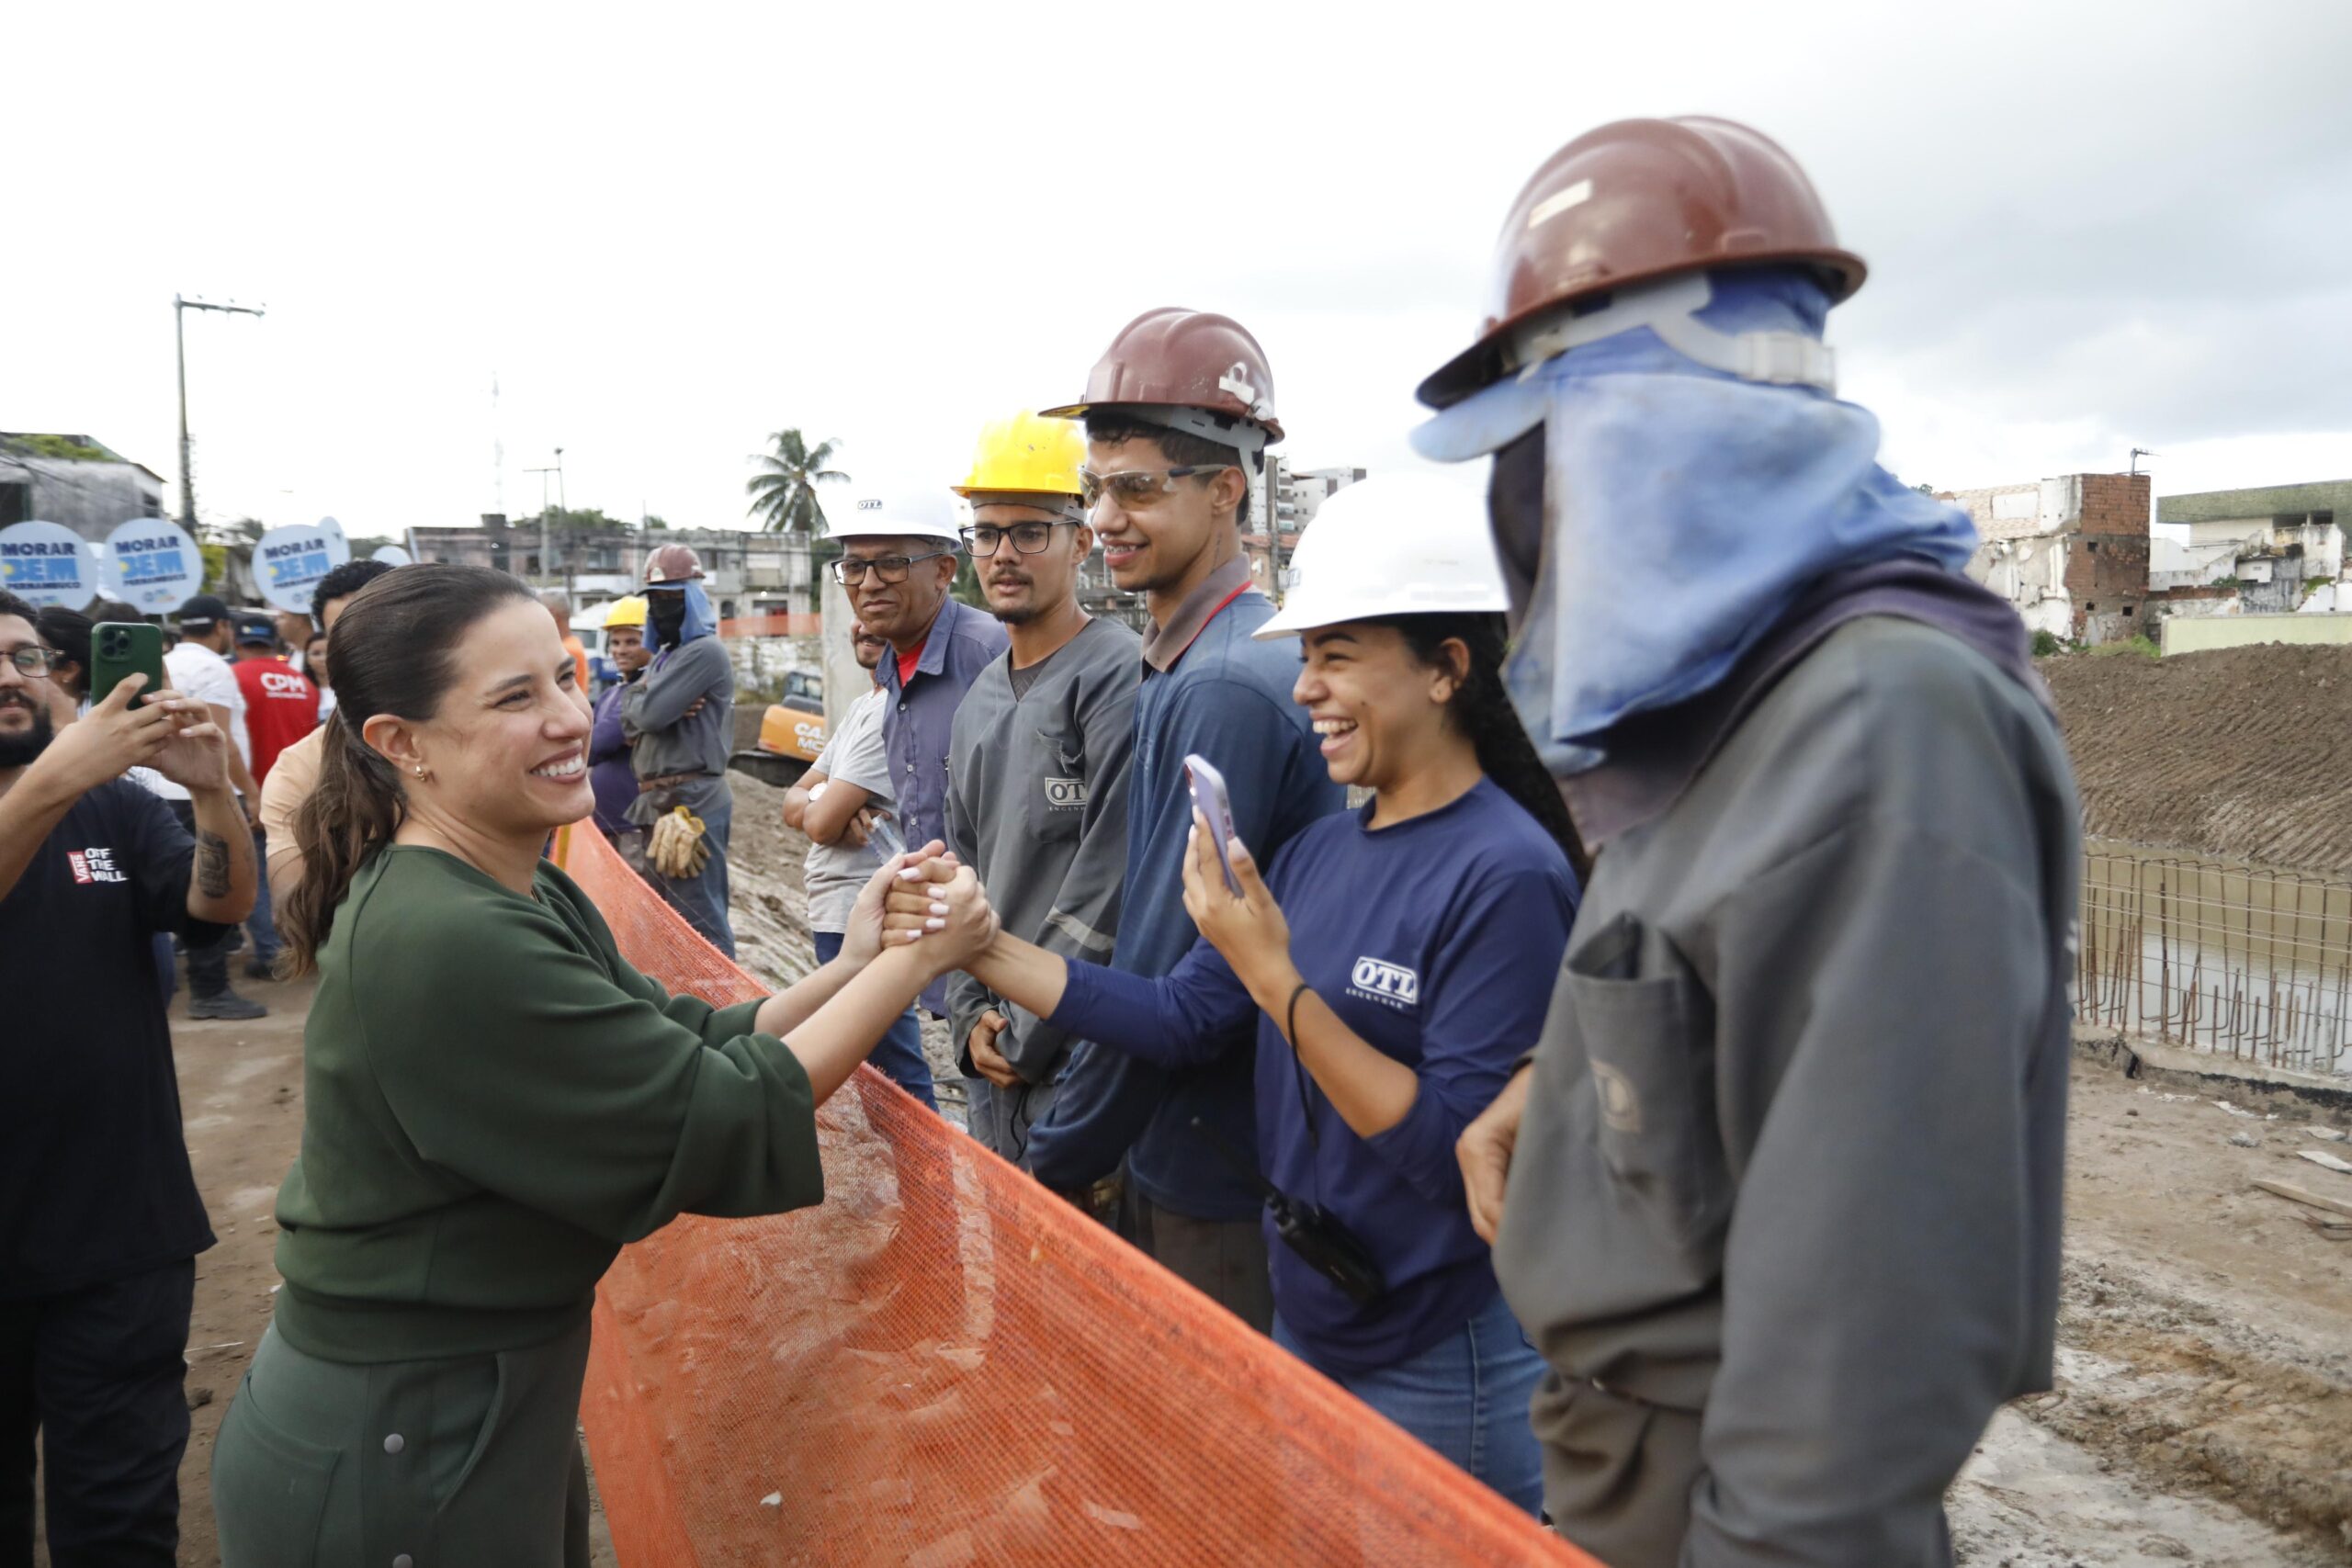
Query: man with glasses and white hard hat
(1037,773)
(1784,1179)
(1179,413)
(899,558)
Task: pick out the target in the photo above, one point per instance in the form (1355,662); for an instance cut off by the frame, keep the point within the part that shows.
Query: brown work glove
(677,849)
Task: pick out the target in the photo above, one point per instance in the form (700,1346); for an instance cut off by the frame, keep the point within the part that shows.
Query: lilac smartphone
(1208,792)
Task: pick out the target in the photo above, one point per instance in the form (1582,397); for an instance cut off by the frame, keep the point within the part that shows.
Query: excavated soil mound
(2243,754)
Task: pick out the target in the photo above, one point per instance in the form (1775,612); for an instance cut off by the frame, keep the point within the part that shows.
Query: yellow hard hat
(1026,454)
(628,612)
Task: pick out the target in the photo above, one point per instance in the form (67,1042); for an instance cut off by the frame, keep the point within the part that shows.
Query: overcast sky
(668,232)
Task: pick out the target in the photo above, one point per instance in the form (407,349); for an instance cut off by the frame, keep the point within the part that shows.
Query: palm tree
(783,492)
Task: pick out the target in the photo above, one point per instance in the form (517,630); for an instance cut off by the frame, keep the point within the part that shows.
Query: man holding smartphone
(1038,768)
(99,1219)
(1178,415)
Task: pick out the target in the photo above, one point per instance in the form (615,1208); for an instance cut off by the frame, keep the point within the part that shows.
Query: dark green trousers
(405,1464)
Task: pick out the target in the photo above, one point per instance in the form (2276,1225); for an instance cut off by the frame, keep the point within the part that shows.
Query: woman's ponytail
(350,814)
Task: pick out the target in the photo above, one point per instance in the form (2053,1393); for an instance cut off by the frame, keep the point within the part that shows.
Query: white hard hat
(1396,545)
(925,517)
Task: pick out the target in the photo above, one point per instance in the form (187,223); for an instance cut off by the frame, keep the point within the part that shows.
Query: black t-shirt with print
(94,1183)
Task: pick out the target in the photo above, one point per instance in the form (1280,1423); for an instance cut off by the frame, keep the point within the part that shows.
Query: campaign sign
(288,562)
(47,563)
(155,566)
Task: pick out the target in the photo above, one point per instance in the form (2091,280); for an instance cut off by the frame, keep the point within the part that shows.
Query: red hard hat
(1638,199)
(671,565)
(1173,357)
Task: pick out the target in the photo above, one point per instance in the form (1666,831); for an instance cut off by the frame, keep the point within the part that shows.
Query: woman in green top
(495,1102)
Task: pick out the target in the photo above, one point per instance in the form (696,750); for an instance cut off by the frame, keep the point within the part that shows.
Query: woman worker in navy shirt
(1400,957)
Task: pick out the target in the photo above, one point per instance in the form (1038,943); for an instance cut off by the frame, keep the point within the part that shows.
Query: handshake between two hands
(925,900)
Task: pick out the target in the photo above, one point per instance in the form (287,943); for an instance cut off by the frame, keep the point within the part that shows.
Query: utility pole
(543,473)
(180,307)
(547,557)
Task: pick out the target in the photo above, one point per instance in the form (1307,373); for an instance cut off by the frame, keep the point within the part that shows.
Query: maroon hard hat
(671,566)
(1638,199)
(1175,358)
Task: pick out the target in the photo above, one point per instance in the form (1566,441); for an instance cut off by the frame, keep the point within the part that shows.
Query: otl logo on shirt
(1066,794)
(1377,980)
(93,865)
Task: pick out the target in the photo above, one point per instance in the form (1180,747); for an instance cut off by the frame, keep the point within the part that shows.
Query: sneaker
(261,969)
(226,1005)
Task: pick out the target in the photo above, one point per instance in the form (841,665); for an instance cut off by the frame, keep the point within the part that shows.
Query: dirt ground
(2204,1407)
(2265,778)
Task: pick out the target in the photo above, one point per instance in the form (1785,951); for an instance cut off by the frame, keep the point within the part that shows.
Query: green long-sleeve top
(494,1102)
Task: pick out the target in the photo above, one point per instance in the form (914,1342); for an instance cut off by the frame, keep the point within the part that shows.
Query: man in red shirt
(281,707)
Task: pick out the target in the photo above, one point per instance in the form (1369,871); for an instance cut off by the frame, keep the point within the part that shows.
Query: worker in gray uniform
(681,717)
(1038,765)
(1782,1196)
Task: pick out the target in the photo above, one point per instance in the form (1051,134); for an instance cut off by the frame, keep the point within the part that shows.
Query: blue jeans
(1465,1396)
(899,1057)
(261,925)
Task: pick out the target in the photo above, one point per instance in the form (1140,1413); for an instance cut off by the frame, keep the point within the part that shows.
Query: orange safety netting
(945,1364)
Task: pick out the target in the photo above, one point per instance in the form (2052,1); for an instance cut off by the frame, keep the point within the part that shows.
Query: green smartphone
(122,649)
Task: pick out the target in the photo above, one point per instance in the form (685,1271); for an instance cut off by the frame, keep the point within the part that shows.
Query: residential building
(73,481)
(746,573)
(2274,549)
(1285,503)
(2072,553)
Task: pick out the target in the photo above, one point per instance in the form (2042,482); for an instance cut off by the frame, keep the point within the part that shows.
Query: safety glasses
(849,571)
(1139,487)
(1028,539)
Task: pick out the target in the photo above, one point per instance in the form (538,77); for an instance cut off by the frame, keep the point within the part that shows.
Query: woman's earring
(420,770)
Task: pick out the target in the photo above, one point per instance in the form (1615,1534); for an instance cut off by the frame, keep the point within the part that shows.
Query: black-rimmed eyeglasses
(1028,539)
(33,661)
(850,570)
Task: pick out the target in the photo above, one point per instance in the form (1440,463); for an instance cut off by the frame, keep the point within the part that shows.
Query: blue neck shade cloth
(1685,511)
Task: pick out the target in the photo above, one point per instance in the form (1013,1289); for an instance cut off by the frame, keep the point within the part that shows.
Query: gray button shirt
(919,724)
(1037,805)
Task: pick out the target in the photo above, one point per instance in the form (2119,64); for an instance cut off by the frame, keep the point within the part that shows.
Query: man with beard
(681,719)
(99,1219)
(1037,770)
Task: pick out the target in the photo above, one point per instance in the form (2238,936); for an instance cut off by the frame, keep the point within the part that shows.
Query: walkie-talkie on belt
(1329,1247)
